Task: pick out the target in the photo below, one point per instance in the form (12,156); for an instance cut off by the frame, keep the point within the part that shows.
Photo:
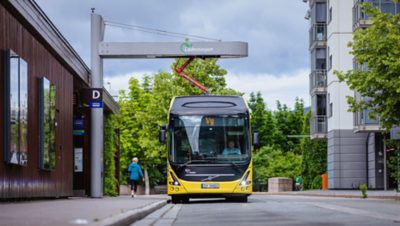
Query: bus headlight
(244,181)
(175,181)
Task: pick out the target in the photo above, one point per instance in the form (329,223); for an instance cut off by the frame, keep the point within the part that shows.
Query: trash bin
(324,177)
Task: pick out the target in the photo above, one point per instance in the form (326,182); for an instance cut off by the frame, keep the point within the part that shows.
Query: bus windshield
(209,139)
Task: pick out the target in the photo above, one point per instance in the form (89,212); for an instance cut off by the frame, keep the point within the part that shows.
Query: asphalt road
(278,210)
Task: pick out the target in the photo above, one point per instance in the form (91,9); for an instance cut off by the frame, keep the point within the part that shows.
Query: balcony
(361,20)
(363,122)
(318,81)
(318,127)
(318,35)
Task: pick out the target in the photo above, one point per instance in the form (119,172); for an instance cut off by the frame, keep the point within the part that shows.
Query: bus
(209,144)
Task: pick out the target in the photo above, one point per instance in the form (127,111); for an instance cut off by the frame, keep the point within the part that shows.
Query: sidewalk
(80,211)
(340,193)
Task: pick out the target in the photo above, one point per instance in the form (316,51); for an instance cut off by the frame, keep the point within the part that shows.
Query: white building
(355,148)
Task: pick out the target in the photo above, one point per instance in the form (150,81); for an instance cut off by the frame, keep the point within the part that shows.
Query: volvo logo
(211,177)
(189,171)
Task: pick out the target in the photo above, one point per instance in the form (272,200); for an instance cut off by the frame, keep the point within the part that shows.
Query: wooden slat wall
(30,181)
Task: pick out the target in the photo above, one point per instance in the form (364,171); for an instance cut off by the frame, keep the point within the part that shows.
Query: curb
(392,197)
(127,218)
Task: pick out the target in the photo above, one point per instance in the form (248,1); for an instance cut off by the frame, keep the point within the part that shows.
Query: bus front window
(216,139)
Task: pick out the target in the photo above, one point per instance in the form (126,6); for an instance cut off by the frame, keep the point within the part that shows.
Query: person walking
(135,174)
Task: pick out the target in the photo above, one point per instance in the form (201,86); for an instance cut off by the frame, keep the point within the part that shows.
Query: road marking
(365,213)
(162,217)
(79,221)
(173,213)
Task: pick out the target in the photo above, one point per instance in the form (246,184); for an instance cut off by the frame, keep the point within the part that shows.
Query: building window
(320,59)
(330,62)
(16,109)
(329,108)
(319,104)
(388,6)
(320,12)
(47,124)
(330,15)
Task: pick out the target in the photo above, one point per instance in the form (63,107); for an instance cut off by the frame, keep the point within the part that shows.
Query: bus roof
(208,105)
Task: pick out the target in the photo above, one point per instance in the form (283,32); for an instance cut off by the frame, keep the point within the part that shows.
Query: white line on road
(359,212)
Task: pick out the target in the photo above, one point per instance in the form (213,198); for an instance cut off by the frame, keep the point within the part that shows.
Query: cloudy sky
(276,31)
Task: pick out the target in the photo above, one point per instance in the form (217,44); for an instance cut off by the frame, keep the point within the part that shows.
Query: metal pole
(96,135)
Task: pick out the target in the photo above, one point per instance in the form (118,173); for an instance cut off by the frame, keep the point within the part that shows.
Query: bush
(271,162)
(316,182)
(363,189)
(110,182)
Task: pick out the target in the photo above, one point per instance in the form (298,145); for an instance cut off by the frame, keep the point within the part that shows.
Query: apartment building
(356,152)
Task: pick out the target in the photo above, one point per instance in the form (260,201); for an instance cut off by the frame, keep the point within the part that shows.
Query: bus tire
(237,198)
(185,199)
(175,199)
(179,199)
(242,198)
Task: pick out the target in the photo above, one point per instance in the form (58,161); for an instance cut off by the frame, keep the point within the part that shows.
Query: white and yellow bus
(209,148)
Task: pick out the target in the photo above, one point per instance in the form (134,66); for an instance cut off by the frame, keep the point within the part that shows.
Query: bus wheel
(237,198)
(175,199)
(179,199)
(185,199)
(242,198)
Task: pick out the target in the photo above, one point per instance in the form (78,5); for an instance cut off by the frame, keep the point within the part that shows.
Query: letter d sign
(96,94)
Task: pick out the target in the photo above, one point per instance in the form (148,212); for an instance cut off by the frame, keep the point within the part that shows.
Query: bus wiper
(192,161)
(237,167)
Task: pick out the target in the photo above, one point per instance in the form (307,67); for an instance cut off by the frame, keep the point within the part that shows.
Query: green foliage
(110,182)
(283,152)
(363,189)
(316,183)
(377,47)
(314,158)
(262,119)
(270,162)
(289,123)
(394,160)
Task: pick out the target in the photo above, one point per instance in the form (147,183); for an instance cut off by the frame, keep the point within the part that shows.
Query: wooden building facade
(39,143)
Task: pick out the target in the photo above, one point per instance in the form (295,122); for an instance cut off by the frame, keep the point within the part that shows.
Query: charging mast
(141,50)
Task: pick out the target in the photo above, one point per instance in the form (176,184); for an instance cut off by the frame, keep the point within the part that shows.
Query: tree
(271,162)
(377,47)
(289,123)
(262,119)
(207,72)
(128,124)
(314,158)
(280,155)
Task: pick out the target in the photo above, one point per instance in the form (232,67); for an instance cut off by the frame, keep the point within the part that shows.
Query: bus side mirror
(256,139)
(162,133)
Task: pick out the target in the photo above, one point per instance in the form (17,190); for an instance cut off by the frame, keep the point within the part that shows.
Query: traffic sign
(92,97)
(96,104)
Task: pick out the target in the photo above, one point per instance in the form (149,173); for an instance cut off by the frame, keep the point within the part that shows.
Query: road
(278,210)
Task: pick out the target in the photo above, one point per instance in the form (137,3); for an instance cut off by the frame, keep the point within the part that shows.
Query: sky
(276,31)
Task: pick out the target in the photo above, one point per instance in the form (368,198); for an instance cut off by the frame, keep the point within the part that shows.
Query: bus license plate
(209,186)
